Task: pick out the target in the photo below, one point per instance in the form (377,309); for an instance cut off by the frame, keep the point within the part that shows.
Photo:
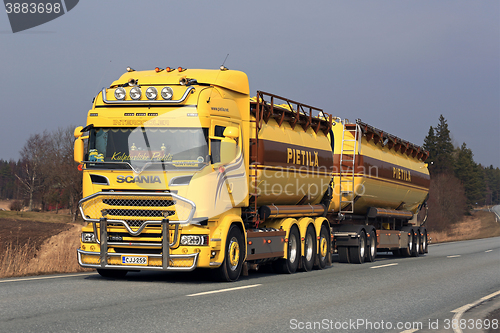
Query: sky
(397,65)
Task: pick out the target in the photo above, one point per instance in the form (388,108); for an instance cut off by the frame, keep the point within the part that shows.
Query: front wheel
(230,269)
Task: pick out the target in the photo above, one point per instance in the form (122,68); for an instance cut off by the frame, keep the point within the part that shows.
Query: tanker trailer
(381,183)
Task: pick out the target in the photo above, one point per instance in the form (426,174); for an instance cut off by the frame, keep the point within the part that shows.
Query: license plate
(134,260)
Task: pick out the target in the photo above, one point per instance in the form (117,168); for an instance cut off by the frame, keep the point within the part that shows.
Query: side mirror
(231,132)
(79,145)
(78,132)
(228,150)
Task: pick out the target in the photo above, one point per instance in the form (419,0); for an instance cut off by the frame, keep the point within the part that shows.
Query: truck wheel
(416,243)
(357,253)
(324,249)
(343,254)
(309,249)
(289,265)
(406,252)
(425,242)
(112,273)
(371,251)
(230,269)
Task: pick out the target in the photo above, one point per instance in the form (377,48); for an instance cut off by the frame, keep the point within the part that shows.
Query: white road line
(455,256)
(380,266)
(45,277)
(488,251)
(461,310)
(223,290)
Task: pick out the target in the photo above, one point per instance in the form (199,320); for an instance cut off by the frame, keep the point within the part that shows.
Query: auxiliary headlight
(88,237)
(167,93)
(195,240)
(120,93)
(135,93)
(151,93)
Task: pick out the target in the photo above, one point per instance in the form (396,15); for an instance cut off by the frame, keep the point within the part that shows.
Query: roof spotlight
(130,69)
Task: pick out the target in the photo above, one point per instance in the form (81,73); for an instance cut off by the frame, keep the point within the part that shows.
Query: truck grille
(134,210)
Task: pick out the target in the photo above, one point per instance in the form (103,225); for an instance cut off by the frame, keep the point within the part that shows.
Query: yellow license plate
(135,260)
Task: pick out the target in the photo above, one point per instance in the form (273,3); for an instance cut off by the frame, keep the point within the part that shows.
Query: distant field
(37,243)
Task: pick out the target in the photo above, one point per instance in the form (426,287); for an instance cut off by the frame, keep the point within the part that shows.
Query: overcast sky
(397,65)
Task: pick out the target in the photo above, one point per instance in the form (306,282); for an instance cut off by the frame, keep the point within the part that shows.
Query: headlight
(195,240)
(151,93)
(167,93)
(88,237)
(135,93)
(120,93)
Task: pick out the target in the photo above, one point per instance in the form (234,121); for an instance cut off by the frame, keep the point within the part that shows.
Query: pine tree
(471,176)
(430,146)
(443,160)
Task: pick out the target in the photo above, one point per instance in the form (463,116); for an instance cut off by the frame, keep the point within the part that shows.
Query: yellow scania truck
(183,169)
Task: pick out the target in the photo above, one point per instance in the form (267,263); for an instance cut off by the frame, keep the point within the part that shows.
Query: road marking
(488,251)
(461,310)
(223,290)
(46,277)
(409,331)
(455,256)
(380,266)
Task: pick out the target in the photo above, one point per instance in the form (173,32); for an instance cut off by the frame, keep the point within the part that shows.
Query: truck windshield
(148,147)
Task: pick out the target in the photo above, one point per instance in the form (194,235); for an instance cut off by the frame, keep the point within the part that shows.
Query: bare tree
(33,155)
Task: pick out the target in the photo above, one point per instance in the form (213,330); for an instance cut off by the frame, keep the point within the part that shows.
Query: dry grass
(56,255)
(480,224)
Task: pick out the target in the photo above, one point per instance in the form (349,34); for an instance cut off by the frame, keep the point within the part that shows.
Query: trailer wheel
(290,265)
(407,251)
(416,243)
(357,253)
(112,273)
(233,260)
(425,243)
(309,249)
(343,254)
(371,252)
(324,248)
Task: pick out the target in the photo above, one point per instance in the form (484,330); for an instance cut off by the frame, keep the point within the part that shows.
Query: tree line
(458,183)
(46,176)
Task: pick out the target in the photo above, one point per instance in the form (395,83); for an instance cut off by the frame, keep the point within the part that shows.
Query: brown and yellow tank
(387,172)
(291,160)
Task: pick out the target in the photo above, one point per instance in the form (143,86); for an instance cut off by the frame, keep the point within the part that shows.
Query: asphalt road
(389,295)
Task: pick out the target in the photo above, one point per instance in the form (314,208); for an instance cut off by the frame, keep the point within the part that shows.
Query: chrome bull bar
(101,237)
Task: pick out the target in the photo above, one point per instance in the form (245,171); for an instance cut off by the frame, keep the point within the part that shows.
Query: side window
(215,143)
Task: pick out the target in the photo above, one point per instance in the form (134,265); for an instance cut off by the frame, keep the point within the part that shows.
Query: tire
(343,254)
(309,249)
(324,249)
(357,253)
(230,269)
(416,243)
(425,242)
(406,252)
(371,247)
(112,273)
(291,263)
